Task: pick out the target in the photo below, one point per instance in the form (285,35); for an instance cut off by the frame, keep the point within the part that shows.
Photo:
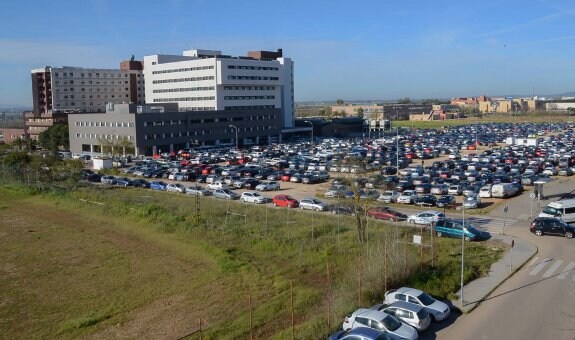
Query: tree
(16,159)
(55,137)
(359,112)
(340,102)
(405,100)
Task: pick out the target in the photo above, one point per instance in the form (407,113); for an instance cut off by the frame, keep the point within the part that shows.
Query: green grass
(139,263)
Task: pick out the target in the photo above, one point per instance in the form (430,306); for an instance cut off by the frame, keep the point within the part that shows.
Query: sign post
(505,210)
(532,196)
(511,256)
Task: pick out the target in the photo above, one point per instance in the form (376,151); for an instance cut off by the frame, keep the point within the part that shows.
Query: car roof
(370,313)
(410,291)
(406,305)
(365,331)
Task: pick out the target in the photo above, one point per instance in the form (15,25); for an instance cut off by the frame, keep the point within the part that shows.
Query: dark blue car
(360,333)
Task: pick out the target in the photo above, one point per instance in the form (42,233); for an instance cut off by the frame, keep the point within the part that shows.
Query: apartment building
(206,80)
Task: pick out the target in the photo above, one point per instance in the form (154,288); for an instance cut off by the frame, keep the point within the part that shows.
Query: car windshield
(390,323)
(425,299)
(422,314)
(552,211)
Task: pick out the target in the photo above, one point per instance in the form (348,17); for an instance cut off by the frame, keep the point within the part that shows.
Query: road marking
(533,262)
(566,271)
(553,268)
(539,267)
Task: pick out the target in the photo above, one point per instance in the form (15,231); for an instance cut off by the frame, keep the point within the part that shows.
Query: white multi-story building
(203,80)
(76,89)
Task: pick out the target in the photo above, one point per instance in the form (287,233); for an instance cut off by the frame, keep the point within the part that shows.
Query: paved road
(538,302)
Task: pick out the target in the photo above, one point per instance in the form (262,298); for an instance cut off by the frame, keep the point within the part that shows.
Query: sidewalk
(474,292)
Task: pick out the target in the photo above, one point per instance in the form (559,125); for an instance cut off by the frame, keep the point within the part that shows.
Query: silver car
(380,321)
(253,197)
(226,194)
(409,313)
(198,190)
(313,204)
(439,311)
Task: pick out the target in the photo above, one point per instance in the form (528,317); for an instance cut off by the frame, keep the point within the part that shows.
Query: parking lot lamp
(310,123)
(462,250)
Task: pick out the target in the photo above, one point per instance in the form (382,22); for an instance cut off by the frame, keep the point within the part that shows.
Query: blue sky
(342,49)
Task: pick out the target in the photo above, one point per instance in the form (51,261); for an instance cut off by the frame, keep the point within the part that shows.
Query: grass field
(134,264)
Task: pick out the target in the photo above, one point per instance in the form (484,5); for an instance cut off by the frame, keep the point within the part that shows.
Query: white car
(426,217)
(217,185)
(268,186)
(253,197)
(485,191)
(439,311)
(471,202)
(388,196)
(407,197)
(313,204)
(176,187)
(380,321)
(410,313)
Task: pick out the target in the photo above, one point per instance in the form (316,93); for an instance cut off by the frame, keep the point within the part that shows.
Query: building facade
(205,80)
(76,89)
(156,128)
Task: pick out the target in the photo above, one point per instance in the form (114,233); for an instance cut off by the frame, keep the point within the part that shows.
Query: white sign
(532,195)
(417,239)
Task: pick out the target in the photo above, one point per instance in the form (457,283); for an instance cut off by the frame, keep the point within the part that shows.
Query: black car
(142,183)
(251,183)
(446,201)
(342,209)
(551,226)
(425,200)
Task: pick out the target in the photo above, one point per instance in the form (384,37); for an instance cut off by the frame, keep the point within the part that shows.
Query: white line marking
(539,267)
(553,268)
(533,262)
(566,271)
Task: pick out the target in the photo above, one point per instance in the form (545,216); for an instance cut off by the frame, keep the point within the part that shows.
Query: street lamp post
(462,251)
(235,127)
(310,123)
(397,151)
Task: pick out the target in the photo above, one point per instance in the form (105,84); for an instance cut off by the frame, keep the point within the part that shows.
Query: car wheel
(538,233)
(317,209)
(275,204)
(412,221)
(467,238)
(243,200)
(569,234)
(439,234)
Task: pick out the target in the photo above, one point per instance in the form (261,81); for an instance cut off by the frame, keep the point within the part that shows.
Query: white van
(503,190)
(564,210)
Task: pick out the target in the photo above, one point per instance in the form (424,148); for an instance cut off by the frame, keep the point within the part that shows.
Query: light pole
(310,123)
(462,251)
(397,151)
(235,127)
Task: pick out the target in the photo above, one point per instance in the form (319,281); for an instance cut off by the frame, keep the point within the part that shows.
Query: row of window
(96,74)
(196,108)
(250,107)
(238,67)
(252,78)
(186,89)
(106,124)
(179,80)
(96,89)
(206,120)
(247,97)
(249,88)
(205,132)
(102,137)
(183,99)
(90,82)
(186,69)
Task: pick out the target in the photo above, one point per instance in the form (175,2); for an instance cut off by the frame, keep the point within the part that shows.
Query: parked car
(107,179)
(312,204)
(158,185)
(446,201)
(440,189)
(123,182)
(551,226)
(455,228)
(386,213)
(485,191)
(198,190)
(380,321)
(251,183)
(360,333)
(226,194)
(388,196)
(426,217)
(425,200)
(268,186)
(285,201)
(141,183)
(337,191)
(176,187)
(412,314)
(471,202)
(455,190)
(342,209)
(407,197)
(438,310)
(217,185)
(253,197)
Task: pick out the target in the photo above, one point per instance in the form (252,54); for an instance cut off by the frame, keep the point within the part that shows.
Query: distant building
(559,106)
(205,80)
(508,105)
(349,110)
(155,128)
(10,135)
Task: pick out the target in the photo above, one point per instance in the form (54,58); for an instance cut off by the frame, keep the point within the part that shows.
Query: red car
(285,201)
(386,213)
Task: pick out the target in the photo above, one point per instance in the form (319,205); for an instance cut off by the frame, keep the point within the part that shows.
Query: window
(401,297)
